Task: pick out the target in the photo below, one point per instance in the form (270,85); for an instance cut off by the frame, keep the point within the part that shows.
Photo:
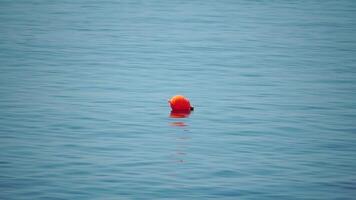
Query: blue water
(84,88)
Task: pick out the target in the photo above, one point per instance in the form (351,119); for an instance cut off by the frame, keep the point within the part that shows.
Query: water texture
(84,88)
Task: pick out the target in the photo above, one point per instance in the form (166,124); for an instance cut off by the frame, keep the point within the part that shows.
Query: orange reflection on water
(178,124)
(179,114)
(181,137)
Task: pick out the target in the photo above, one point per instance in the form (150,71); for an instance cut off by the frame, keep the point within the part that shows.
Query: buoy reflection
(179,114)
(182,134)
(181,124)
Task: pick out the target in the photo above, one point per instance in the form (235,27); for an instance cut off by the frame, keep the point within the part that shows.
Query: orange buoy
(180,103)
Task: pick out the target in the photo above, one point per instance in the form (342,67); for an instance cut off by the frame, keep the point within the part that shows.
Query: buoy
(179,103)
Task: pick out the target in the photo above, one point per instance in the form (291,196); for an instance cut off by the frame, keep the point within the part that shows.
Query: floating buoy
(179,103)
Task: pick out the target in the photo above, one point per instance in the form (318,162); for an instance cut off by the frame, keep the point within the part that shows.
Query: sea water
(84,88)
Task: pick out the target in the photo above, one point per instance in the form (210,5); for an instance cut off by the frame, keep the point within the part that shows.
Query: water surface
(84,88)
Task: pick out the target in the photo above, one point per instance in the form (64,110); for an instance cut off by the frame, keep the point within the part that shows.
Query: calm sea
(84,88)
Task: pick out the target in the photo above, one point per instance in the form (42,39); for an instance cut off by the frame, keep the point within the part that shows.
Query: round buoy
(180,103)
